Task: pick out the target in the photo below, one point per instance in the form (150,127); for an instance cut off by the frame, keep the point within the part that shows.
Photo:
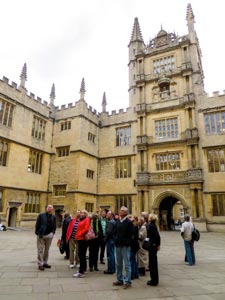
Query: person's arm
(54,225)
(37,226)
(182,230)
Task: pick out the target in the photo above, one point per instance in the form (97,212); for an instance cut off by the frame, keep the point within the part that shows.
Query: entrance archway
(168,214)
(12,216)
(170,206)
(59,210)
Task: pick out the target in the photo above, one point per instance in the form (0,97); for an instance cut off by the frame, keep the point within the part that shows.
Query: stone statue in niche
(164,93)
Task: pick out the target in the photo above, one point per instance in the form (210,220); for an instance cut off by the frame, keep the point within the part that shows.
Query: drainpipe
(50,162)
(97,185)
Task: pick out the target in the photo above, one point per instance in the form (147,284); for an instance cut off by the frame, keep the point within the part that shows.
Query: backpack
(195,235)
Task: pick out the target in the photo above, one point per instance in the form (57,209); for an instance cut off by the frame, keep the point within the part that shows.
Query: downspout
(50,160)
(97,179)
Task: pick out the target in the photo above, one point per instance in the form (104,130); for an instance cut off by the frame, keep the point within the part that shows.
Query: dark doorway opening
(12,216)
(171,212)
(59,217)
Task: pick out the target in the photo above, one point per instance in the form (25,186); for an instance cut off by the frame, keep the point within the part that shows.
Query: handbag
(90,235)
(61,247)
(195,235)
(146,245)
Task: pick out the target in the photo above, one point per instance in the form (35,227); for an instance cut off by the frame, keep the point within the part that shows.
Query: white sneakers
(78,275)
(74,266)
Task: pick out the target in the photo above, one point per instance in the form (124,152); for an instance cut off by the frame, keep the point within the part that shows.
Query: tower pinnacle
(104,103)
(23,76)
(190,18)
(52,95)
(136,32)
(82,89)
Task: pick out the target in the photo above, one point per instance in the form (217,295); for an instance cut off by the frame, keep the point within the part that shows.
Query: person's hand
(158,248)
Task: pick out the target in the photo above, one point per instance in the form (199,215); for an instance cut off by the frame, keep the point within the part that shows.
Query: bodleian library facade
(164,154)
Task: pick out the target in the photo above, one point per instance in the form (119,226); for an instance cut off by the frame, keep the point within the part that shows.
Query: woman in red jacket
(82,229)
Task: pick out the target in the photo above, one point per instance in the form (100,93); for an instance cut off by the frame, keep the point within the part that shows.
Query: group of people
(122,235)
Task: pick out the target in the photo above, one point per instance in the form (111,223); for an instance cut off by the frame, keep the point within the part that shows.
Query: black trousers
(82,249)
(93,253)
(102,249)
(153,265)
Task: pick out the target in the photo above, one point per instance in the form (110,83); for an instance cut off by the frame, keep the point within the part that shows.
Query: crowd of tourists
(130,243)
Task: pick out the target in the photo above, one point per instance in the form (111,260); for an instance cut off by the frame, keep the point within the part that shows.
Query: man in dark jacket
(123,235)
(154,246)
(65,224)
(110,244)
(45,229)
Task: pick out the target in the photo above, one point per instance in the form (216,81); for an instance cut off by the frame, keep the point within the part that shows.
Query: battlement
(127,115)
(209,102)
(16,91)
(76,104)
(215,94)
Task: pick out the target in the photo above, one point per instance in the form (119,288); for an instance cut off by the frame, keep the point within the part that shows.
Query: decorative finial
(23,76)
(104,103)
(82,89)
(136,32)
(52,95)
(190,18)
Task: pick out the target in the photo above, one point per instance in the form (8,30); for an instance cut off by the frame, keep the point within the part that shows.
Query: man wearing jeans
(109,241)
(186,232)
(45,229)
(123,236)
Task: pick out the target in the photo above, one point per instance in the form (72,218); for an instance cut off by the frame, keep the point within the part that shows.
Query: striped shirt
(73,234)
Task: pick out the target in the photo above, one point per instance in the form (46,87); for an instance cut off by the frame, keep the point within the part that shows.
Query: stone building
(165,153)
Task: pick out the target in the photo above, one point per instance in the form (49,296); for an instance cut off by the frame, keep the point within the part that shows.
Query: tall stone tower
(136,46)
(166,79)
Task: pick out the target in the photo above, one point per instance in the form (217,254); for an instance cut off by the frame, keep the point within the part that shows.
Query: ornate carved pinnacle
(52,95)
(23,76)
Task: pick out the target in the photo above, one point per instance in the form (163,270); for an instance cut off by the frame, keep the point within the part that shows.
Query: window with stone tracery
(123,167)
(32,204)
(218,202)
(35,162)
(6,113)
(38,128)
(216,160)
(123,200)
(123,136)
(214,122)
(164,64)
(167,161)
(3,153)
(166,129)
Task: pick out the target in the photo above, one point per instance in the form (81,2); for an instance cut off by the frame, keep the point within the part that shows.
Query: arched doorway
(59,210)
(166,216)
(171,213)
(12,216)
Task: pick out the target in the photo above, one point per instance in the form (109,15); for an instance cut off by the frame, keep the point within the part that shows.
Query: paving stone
(20,278)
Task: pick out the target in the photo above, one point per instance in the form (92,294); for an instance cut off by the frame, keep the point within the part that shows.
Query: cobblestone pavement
(21,280)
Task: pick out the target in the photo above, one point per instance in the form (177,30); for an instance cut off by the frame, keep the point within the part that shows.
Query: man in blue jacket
(45,229)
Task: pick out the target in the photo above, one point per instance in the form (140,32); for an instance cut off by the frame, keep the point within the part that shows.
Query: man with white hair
(45,229)
(123,235)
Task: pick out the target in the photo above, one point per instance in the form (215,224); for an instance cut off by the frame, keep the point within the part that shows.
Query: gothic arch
(169,193)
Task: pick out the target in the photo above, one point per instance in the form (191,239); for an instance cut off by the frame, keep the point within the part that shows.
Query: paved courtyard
(20,279)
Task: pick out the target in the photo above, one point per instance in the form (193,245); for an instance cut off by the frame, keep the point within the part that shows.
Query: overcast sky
(64,41)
